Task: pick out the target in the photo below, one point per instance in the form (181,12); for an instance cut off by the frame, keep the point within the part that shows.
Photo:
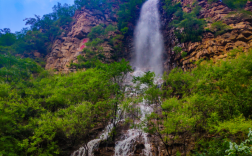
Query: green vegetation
(94,52)
(243,149)
(49,114)
(233,4)
(183,54)
(240,14)
(44,30)
(14,69)
(177,49)
(189,28)
(44,114)
(211,99)
(100,5)
(41,34)
(170,7)
(224,147)
(219,28)
(128,13)
(100,31)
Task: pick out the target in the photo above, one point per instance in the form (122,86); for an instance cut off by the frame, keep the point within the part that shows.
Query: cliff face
(212,47)
(68,46)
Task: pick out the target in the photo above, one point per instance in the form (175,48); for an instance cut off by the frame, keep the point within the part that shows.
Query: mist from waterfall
(148,40)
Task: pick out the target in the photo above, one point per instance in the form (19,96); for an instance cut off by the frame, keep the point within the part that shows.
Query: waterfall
(149,47)
(148,39)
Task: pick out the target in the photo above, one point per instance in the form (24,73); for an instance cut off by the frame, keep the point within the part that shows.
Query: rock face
(211,47)
(68,46)
(218,48)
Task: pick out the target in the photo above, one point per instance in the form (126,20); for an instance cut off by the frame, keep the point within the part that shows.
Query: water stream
(149,47)
(148,39)
(93,144)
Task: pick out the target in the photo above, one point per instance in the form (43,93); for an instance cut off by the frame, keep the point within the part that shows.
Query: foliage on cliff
(188,27)
(128,13)
(233,4)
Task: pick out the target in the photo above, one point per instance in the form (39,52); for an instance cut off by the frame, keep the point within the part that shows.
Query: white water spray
(93,144)
(148,39)
(149,46)
(127,145)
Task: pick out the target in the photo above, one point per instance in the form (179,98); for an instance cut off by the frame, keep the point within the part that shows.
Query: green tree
(190,28)
(7,38)
(117,71)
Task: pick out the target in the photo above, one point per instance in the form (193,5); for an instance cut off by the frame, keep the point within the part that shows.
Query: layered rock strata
(212,47)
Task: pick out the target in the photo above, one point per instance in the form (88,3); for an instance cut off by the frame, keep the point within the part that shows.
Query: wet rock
(139,148)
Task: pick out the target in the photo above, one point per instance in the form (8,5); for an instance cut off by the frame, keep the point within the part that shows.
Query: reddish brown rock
(68,46)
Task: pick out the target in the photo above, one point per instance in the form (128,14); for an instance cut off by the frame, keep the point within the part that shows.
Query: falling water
(93,144)
(148,39)
(149,47)
(126,146)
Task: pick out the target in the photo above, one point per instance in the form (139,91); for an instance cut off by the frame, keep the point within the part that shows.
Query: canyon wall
(211,47)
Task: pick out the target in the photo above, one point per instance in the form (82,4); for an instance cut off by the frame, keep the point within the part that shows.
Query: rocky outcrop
(211,47)
(69,45)
(216,48)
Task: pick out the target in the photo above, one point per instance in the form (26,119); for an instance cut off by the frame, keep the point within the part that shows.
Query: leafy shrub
(243,149)
(219,28)
(94,42)
(177,49)
(196,10)
(190,28)
(100,5)
(183,54)
(233,4)
(233,126)
(15,69)
(125,30)
(212,147)
(170,7)
(110,28)
(128,12)
(240,14)
(7,39)
(100,31)
(96,31)
(220,93)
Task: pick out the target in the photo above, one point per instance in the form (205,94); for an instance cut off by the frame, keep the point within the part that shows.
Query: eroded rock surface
(211,47)
(68,46)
